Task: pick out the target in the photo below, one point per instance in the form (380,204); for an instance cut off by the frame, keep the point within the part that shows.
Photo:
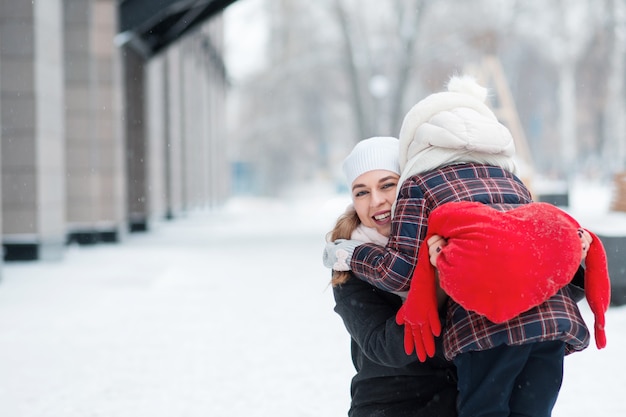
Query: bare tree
(342,70)
(410,17)
(561,34)
(357,96)
(379,74)
(614,144)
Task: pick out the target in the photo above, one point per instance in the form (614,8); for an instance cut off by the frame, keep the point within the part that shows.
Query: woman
(388,382)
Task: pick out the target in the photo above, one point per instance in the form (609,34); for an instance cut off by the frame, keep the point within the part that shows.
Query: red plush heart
(500,264)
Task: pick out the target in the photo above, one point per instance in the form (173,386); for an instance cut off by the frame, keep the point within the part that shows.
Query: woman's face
(373,193)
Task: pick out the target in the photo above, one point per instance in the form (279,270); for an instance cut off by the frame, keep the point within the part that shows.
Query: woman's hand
(585,240)
(435,244)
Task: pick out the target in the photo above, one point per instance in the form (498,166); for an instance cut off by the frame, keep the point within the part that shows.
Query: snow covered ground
(224,313)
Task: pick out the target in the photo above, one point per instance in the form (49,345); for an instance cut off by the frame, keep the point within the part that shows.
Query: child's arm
(436,244)
(390,268)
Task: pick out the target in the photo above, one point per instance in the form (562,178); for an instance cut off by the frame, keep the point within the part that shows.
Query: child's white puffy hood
(453,127)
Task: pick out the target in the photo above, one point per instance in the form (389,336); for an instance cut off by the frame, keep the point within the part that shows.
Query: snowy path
(210,315)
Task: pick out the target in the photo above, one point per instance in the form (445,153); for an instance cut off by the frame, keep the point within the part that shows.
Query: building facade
(98,137)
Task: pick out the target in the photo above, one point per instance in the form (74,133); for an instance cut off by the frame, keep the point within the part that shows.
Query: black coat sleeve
(369,316)
(577,285)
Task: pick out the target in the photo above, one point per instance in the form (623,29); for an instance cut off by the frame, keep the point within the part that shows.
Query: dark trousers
(510,381)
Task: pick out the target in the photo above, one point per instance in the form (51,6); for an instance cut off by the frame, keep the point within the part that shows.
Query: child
(452,148)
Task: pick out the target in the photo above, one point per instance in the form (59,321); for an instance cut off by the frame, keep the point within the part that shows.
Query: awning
(151,25)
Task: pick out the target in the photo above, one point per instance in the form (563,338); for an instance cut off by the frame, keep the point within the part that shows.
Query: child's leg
(487,379)
(510,381)
(538,386)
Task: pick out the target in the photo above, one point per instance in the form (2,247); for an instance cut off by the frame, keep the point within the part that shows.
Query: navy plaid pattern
(556,319)
(391,268)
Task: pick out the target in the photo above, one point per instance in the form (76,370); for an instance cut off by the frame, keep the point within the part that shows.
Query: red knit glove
(597,287)
(419,314)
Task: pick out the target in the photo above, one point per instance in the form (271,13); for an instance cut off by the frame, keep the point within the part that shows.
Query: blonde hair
(346,223)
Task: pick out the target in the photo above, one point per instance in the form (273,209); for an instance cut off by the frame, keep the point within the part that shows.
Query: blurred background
(119,114)
(329,73)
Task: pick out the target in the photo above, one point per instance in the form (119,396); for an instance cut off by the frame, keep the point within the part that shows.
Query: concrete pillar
(174,114)
(205,174)
(220,175)
(95,197)
(1,140)
(111,220)
(32,101)
(81,148)
(156,131)
(174,126)
(135,133)
(192,125)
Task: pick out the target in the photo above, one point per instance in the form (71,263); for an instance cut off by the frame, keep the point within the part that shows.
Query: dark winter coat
(388,382)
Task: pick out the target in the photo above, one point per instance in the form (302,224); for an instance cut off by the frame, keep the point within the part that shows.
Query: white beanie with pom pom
(454,126)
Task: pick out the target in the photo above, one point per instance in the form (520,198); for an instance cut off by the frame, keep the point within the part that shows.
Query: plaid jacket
(391,268)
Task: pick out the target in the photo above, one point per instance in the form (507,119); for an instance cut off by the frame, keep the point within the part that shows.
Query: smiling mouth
(381,217)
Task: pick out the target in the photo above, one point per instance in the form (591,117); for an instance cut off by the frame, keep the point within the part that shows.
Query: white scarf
(371,235)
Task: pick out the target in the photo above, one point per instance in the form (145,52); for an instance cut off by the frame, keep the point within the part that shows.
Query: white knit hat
(379,152)
(452,127)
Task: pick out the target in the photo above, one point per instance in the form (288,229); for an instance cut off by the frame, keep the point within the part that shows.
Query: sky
(245,34)
(219,313)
